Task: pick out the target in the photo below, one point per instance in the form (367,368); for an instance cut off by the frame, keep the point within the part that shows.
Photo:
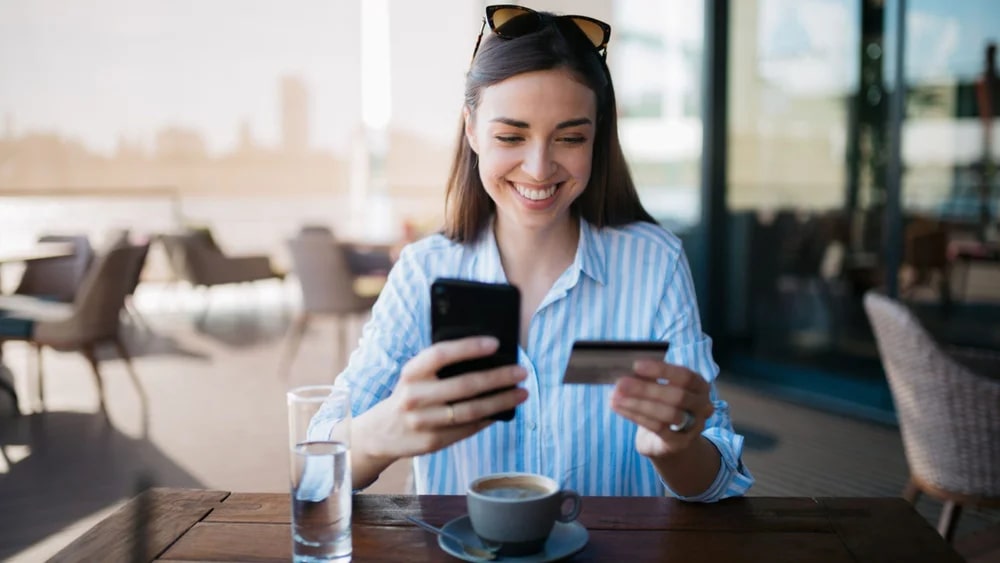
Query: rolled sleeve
(390,337)
(733,478)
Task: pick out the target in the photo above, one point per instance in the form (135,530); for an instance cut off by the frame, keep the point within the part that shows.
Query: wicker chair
(948,404)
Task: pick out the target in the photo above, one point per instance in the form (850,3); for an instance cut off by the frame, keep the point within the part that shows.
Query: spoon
(486,553)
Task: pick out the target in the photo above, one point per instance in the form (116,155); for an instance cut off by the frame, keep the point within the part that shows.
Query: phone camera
(443,306)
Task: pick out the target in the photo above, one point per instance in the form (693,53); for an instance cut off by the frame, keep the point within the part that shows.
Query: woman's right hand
(425,413)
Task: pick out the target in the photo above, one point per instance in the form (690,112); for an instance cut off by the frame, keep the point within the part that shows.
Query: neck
(530,254)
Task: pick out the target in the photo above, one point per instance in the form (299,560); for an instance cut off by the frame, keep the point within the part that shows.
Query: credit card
(601,362)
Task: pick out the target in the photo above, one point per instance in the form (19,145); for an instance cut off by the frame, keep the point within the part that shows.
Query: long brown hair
(610,198)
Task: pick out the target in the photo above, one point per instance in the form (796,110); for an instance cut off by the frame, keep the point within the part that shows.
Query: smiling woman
(534,136)
(540,197)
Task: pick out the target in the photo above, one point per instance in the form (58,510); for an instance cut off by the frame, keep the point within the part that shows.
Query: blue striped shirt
(626,283)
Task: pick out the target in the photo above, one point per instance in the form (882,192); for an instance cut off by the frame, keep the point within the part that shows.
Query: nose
(538,161)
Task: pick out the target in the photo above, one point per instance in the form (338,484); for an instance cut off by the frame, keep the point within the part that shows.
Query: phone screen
(462,308)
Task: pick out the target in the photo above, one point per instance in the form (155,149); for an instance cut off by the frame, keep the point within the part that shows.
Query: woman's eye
(508,139)
(574,140)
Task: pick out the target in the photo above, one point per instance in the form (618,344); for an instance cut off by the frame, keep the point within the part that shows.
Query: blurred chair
(119,238)
(925,253)
(948,407)
(197,259)
(7,386)
(57,279)
(91,320)
(328,288)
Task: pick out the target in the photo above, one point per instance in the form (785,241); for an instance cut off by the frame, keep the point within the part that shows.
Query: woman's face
(534,135)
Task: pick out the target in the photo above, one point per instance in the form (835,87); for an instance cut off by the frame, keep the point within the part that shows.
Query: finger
(484,407)
(422,394)
(670,395)
(430,360)
(468,385)
(464,413)
(663,411)
(645,389)
(655,425)
(433,438)
(679,376)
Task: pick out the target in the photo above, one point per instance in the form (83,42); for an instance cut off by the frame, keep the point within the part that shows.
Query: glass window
(655,56)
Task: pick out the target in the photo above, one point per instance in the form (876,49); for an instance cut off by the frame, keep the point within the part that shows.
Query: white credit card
(597,362)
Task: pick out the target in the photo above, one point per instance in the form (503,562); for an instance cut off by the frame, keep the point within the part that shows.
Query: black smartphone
(461,308)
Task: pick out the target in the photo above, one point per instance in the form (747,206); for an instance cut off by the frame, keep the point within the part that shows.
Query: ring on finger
(685,424)
(451,414)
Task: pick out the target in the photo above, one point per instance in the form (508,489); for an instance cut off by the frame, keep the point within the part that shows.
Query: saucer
(565,540)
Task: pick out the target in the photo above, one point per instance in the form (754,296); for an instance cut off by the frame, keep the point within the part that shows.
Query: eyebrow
(524,124)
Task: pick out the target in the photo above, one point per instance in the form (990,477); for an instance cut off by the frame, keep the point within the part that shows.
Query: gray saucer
(565,540)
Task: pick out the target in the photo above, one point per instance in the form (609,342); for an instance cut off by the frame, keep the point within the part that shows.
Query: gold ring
(451,414)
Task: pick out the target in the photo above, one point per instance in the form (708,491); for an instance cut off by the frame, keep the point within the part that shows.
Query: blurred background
(250,120)
(253,119)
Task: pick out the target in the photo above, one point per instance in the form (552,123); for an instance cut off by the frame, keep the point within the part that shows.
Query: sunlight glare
(13,454)
(375,82)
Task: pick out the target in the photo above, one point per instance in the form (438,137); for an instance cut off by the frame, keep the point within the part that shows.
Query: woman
(540,197)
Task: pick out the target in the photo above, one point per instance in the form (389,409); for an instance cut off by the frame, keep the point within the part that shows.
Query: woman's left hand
(657,396)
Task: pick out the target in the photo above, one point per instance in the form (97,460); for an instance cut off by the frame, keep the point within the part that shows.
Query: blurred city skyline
(123,70)
(189,94)
(115,71)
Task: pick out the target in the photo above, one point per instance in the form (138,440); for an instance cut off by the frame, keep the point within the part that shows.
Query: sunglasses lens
(513,22)
(594,32)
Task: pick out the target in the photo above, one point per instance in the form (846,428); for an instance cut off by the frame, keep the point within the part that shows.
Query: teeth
(536,195)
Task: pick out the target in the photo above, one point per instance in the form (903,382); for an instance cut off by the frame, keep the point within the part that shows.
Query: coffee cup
(518,510)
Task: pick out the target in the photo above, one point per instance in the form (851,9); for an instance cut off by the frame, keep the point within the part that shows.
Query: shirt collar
(590,252)
(589,259)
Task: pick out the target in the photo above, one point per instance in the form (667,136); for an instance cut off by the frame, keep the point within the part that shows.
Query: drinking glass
(319,428)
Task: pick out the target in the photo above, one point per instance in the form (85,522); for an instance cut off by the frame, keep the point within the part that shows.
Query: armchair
(197,259)
(947,404)
(323,267)
(91,320)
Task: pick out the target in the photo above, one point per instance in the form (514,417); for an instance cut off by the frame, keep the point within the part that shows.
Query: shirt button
(532,425)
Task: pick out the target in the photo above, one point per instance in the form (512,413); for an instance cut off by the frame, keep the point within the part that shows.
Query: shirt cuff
(733,478)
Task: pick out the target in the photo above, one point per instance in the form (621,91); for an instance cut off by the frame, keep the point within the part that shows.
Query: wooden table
(202,525)
(37,251)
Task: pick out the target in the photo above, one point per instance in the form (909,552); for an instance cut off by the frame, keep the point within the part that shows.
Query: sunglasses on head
(510,21)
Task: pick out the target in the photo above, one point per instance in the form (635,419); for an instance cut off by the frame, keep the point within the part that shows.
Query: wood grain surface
(195,525)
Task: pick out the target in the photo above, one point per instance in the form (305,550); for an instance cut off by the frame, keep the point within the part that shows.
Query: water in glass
(321,502)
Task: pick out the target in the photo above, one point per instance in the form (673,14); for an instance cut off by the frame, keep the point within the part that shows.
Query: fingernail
(489,343)
(643,366)
(520,373)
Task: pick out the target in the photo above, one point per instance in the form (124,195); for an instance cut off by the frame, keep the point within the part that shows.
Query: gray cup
(518,510)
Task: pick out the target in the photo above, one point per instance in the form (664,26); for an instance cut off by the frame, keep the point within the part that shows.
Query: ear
(470,129)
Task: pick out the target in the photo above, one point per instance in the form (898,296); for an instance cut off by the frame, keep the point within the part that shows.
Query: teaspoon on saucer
(486,553)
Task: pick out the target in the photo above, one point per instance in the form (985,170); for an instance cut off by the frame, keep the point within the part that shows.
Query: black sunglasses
(510,21)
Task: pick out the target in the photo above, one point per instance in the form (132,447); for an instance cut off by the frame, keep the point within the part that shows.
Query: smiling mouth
(536,194)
